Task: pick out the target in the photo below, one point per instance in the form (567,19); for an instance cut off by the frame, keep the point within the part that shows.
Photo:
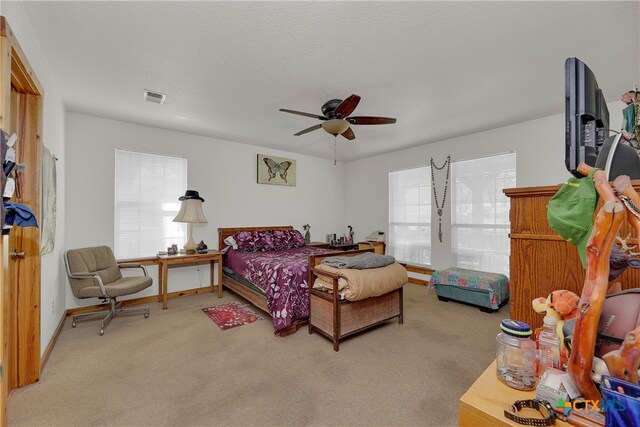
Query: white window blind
(147,190)
(410,216)
(480,212)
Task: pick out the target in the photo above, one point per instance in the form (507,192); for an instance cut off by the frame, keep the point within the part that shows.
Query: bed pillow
(230,241)
(264,241)
(281,239)
(296,240)
(246,241)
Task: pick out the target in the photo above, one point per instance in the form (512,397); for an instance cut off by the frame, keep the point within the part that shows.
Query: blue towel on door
(19,214)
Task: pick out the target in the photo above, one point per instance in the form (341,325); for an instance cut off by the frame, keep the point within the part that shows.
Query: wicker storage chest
(337,319)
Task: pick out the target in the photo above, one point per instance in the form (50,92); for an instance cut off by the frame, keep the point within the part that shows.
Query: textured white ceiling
(443,69)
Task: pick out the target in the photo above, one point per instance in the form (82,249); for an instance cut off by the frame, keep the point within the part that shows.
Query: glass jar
(516,355)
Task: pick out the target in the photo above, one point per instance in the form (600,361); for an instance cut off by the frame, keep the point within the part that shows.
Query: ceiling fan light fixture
(335,126)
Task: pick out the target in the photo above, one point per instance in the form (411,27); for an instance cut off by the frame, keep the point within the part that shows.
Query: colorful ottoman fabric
(494,285)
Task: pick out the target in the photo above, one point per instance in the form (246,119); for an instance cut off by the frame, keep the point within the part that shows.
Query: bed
(275,281)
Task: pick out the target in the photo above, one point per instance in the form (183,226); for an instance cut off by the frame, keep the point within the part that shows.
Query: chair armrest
(124,265)
(90,276)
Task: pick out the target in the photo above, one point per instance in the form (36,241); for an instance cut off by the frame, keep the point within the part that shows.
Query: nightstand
(378,247)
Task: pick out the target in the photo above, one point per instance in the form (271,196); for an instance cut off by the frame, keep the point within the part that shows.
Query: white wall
(539,148)
(53,278)
(224,173)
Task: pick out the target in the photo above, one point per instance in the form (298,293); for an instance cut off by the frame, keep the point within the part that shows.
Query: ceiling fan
(336,120)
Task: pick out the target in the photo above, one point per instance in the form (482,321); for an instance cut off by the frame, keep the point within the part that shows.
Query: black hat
(191,194)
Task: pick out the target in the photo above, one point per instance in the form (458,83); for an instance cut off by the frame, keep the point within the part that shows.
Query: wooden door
(20,111)
(24,246)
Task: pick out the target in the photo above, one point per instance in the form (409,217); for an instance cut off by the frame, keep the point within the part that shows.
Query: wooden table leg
(160,282)
(219,277)
(211,270)
(165,274)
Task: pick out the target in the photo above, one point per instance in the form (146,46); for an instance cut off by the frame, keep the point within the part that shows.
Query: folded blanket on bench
(355,285)
(360,262)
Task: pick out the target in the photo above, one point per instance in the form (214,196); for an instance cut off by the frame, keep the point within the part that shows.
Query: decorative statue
(307,234)
(201,248)
(624,362)
(350,237)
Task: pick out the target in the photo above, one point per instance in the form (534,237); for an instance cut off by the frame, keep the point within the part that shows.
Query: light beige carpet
(178,368)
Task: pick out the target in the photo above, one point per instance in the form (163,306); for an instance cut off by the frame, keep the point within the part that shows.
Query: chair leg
(115,307)
(144,310)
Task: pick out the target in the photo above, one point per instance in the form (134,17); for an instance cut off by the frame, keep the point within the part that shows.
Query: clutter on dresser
(376,236)
(173,249)
(307,233)
(554,385)
(516,355)
(202,248)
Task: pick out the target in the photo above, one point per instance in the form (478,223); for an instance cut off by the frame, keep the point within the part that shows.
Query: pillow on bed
(287,239)
(246,241)
(230,241)
(281,239)
(296,240)
(264,241)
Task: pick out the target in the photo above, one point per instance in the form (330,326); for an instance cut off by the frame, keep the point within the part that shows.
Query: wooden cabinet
(378,247)
(541,261)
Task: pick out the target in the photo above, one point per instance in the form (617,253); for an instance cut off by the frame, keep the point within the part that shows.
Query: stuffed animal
(562,305)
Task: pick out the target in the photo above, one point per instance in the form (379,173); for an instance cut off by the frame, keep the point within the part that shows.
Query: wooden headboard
(223,233)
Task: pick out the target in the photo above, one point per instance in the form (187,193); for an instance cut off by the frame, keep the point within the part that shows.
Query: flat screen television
(586,114)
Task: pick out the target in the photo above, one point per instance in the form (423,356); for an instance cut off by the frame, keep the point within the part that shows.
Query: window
(480,212)
(410,216)
(147,190)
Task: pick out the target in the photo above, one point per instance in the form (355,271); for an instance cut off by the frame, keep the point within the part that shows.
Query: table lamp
(190,213)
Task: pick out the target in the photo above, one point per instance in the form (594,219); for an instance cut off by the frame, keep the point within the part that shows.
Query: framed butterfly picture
(276,170)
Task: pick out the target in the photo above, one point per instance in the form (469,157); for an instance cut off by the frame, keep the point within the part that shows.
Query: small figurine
(307,234)
(350,238)
(201,248)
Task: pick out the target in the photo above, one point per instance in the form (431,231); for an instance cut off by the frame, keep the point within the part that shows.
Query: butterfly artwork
(279,168)
(275,170)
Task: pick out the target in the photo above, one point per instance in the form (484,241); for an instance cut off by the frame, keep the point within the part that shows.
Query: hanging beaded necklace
(440,206)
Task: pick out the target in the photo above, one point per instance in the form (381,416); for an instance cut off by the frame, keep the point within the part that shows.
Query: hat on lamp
(570,212)
(191,194)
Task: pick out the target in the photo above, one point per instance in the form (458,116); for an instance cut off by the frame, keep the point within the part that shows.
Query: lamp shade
(191,212)
(335,126)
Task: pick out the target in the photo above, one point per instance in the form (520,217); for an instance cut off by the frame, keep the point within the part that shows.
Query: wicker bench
(337,319)
(488,291)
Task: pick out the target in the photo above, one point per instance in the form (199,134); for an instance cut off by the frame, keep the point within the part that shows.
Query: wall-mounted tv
(587,127)
(586,114)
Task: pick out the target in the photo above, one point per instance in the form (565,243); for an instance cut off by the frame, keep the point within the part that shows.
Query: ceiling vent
(155,97)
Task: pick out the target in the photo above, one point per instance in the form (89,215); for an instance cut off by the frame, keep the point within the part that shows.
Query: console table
(167,261)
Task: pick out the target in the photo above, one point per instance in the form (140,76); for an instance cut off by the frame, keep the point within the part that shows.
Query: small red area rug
(230,315)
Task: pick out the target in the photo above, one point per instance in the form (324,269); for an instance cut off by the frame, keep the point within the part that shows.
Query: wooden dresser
(541,261)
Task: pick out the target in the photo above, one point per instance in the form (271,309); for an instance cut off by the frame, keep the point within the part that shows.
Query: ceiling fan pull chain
(335,150)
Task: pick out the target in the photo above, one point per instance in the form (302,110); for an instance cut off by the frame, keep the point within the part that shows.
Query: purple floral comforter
(282,275)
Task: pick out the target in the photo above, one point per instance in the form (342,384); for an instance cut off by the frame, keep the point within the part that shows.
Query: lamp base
(190,245)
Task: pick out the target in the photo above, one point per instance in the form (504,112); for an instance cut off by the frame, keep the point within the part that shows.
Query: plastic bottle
(516,355)
(548,346)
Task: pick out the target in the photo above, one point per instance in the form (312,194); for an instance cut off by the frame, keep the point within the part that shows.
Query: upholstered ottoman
(488,291)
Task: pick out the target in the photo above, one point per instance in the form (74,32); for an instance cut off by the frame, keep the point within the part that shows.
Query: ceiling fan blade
(307,130)
(369,120)
(300,113)
(349,134)
(347,106)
